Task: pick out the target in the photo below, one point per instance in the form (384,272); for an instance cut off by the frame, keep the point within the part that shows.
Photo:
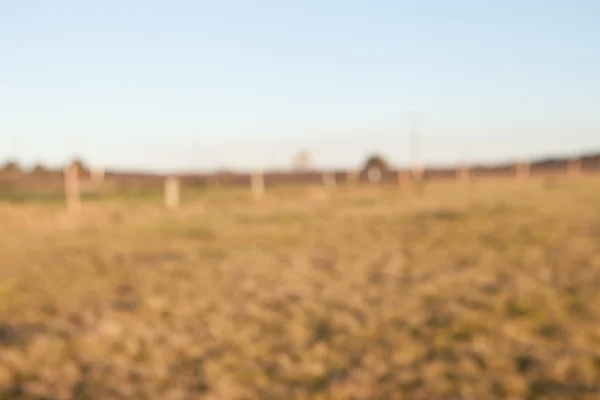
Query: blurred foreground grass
(486,292)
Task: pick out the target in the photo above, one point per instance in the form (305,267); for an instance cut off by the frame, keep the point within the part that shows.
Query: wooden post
(172,189)
(72,192)
(374,175)
(574,167)
(523,170)
(257,182)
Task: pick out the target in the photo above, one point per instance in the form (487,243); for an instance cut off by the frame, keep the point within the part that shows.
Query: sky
(204,85)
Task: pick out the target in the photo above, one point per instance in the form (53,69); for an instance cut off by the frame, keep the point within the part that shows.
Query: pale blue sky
(207,84)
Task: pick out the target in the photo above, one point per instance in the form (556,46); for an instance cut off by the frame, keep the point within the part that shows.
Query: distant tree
(376,161)
(375,167)
(12,167)
(39,169)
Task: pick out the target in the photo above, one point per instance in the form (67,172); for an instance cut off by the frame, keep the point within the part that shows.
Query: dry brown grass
(485,292)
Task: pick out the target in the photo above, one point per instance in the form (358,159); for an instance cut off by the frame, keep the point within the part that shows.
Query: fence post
(72,192)
(172,192)
(257,182)
(374,175)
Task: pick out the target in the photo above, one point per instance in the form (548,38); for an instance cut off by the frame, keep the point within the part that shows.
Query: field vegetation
(487,291)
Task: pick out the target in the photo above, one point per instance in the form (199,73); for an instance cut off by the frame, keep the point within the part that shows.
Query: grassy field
(488,292)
